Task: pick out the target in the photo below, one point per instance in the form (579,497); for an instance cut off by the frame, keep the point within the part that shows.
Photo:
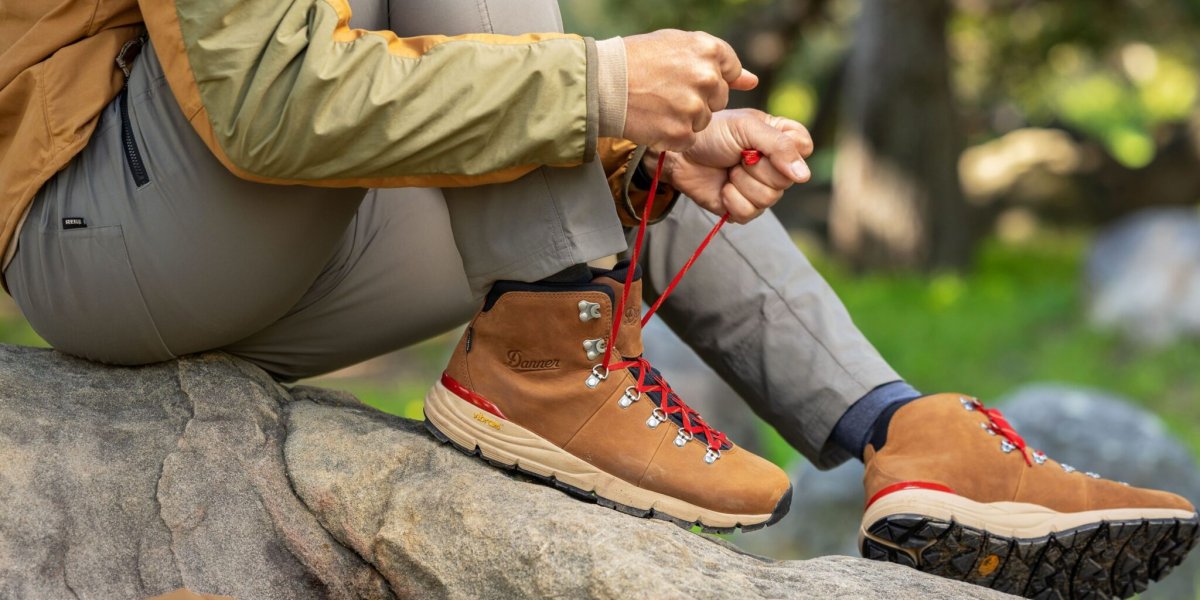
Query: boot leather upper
(936,440)
(526,356)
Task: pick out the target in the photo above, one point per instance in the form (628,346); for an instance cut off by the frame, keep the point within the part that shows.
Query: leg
(197,259)
(396,279)
(533,227)
(756,311)
(190,260)
(369,300)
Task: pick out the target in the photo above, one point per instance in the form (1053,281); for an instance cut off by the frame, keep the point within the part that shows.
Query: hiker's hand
(677,80)
(711,172)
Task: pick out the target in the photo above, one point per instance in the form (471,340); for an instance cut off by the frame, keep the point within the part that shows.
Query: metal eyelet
(1067,468)
(711,456)
(628,398)
(1039,457)
(657,417)
(988,428)
(588,311)
(596,377)
(683,437)
(1007,446)
(1092,474)
(594,348)
(967,404)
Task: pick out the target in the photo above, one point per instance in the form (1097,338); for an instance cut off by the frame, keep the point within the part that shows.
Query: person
(261,180)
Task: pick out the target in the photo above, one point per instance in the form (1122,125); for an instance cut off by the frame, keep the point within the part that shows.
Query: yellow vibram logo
(988,564)
(482,418)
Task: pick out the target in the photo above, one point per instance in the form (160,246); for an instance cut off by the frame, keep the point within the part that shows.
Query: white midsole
(506,442)
(1009,519)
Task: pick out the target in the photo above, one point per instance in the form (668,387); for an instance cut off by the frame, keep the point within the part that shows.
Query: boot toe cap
(1106,494)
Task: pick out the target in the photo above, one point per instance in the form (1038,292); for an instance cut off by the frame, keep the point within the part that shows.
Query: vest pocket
(133,156)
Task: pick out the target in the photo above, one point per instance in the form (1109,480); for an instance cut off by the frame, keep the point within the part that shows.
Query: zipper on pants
(133,156)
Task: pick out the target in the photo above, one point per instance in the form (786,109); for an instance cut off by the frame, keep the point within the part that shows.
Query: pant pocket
(78,290)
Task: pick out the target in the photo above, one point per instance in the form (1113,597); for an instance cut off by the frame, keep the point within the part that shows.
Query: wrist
(649,164)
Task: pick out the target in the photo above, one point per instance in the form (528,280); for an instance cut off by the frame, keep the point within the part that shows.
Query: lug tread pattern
(780,511)
(1108,559)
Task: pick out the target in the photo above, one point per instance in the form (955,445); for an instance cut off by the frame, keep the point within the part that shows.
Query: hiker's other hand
(711,172)
(676,81)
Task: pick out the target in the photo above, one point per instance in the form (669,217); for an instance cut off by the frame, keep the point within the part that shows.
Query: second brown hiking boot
(954,491)
(526,388)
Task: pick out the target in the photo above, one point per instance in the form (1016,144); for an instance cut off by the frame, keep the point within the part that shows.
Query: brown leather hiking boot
(956,492)
(527,389)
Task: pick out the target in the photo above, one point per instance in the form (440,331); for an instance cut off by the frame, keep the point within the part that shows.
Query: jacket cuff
(633,197)
(593,100)
(613,86)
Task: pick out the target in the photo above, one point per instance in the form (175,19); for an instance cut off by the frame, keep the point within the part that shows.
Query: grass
(1018,317)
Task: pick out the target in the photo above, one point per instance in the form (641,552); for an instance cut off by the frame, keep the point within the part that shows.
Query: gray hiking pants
(302,281)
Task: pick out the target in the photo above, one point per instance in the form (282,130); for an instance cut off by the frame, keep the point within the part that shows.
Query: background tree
(897,201)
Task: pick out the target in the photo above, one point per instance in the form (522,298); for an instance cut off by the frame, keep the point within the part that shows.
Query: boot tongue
(629,336)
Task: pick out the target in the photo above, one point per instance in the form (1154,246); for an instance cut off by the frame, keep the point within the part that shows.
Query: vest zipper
(132,155)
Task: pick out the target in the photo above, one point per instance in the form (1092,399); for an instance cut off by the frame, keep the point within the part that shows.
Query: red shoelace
(998,425)
(648,380)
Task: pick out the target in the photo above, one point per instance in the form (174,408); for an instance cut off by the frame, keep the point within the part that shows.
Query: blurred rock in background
(1143,276)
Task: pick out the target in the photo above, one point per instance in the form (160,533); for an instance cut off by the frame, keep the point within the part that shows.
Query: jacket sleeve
(285,92)
(620,159)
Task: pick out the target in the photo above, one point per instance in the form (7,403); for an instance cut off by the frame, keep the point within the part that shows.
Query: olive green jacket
(288,93)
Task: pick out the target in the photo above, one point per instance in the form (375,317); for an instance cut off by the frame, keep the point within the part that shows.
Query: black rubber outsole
(781,508)
(1099,560)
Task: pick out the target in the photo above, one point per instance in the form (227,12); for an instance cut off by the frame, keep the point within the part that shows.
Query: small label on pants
(74,223)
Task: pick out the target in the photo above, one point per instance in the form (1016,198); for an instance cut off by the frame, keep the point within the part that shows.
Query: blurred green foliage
(1019,317)
(1114,71)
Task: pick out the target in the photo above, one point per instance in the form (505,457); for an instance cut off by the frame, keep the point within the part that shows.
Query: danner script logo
(517,362)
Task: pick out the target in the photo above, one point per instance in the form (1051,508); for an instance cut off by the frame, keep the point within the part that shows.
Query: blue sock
(868,418)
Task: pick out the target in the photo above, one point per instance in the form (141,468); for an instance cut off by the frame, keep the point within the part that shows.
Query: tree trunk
(897,202)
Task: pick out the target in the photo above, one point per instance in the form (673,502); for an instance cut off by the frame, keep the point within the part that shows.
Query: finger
(709,198)
(701,120)
(797,132)
(778,148)
(727,60)
(720,98)
(744,81)
(803,143)
(739,208)
(765,172)
(758,193)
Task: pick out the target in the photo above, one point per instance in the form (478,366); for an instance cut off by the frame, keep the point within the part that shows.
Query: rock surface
(203,473)
(1143,276)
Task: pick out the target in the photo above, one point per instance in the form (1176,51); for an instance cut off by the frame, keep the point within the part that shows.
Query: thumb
(745,81)
(778,147)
